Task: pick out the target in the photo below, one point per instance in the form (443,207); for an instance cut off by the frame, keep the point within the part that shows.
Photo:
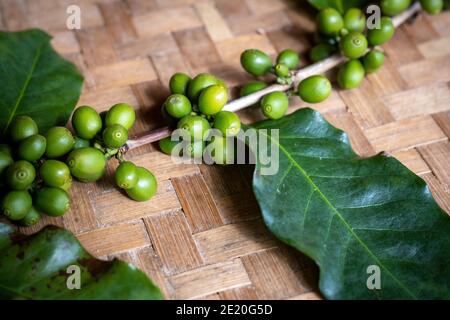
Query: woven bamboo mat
(202,235)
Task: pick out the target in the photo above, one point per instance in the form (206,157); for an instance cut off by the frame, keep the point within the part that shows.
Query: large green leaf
(35,267)
(341,5)
(349,213)
(35,80)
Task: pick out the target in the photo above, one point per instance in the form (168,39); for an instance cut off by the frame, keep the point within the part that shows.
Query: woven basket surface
(202,236)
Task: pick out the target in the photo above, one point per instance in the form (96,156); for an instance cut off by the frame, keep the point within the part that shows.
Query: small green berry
(274,105)
(212,99)
(196,126)
(329,21)
(289,58)
(179,83)
(86,122)
(314,89)
(178,106)
(22,127)
(32,148)
(20,175)
(59,142)
(126,176)
(394,7)
(355,20)
(282,70)
(351,74)
(432,6)
(115,136)
(353,45)
(200,82)
(228,123)
(256,62)
(145,187)
(121,113)
(373,61)
(377,37)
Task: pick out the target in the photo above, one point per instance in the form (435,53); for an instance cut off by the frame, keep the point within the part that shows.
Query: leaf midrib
(25,86)
(346,224)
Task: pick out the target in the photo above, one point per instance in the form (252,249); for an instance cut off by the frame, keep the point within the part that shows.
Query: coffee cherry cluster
(33,180)
(100,137)
(36,170)
(346,34)
(195,105)
(275,104)
(257,63)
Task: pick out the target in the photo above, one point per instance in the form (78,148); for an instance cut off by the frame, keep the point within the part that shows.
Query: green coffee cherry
(321,52)
(81,143)
(59,142)
(32,148)
(200,82)
(355,20)
(329,21)
(16,204)
(179,83)
(197,126)
(228,123)
(314,89)
(115,136)
(126,175)
(274,105)
(282,71)
(256,62)
(289,58)
(432,6)
(52,201)
(22,127)
(252,87)
(377,37)
(394,7)
(122,114)
(5,161)
(353,45)
(86,122)
(55,173)
(373,61)
(86,164)
(167,145)
(178,106)
(351,74)
(145,187)
(212,99)
(20,175)
(32,217)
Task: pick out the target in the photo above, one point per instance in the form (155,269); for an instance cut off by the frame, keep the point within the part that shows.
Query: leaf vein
(25,86)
